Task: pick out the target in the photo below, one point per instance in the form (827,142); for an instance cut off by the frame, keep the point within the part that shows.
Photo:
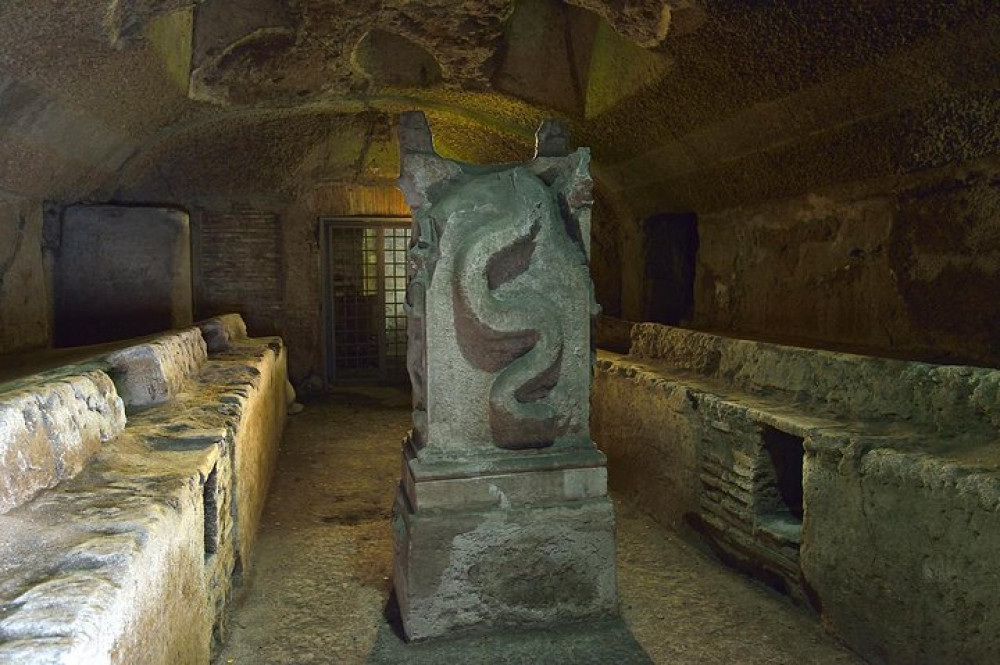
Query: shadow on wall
(670,251)
(121,272)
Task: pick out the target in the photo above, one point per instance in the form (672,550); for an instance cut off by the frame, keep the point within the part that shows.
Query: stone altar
(502,519)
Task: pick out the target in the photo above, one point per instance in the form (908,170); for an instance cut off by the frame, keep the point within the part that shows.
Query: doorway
(364,293)
(670,242)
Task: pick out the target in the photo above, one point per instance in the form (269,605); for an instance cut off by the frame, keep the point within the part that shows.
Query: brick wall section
(734,490)
(239,269)
(346,199)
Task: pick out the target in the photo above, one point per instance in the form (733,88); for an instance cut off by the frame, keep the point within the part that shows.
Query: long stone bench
(50,430)
(129,553)
(868,487)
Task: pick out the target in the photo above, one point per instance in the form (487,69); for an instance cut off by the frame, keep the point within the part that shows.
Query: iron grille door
(365,292)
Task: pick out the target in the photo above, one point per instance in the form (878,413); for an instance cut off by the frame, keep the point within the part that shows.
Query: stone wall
(911,269)
(768,114)
(901,552)
(121,271)
(865,487)
(25,287)
(239,268)
(845,186)
(283,295)
(264,257)
(135,553)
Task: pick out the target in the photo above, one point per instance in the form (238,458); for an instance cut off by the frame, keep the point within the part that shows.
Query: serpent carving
(506,323)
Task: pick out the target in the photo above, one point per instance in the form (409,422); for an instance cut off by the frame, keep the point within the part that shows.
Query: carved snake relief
(505,323)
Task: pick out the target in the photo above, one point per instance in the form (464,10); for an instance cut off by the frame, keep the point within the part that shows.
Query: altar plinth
(502,518)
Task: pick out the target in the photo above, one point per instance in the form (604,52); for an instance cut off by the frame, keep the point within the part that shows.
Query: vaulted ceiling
(687,103)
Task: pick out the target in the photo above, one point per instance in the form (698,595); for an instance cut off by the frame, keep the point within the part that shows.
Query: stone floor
(321,576)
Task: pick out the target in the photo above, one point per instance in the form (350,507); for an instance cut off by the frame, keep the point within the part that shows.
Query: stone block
(154,372)
(499,300)
(260,393)
(901,550)
(899,481)
(502,519)
(474,570)
(853,386)
(49,431)
(513,482)
(109,572)
(220,331)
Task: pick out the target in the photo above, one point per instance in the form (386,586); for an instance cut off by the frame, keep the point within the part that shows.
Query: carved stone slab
(502,519)
(500,299)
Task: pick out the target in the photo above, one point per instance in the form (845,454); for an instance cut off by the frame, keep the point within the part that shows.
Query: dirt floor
(321,575)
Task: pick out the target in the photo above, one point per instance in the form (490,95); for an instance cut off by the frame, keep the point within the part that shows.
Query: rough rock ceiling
(88,88)
(254,50)
(248,51)
(686,103)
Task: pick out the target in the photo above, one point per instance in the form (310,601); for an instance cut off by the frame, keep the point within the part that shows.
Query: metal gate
(364,281)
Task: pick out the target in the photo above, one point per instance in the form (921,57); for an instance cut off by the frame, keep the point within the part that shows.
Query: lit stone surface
(48,432)
(678,602)
(133,556)
(152,373)
(897,491)
(502,518)
(220,332)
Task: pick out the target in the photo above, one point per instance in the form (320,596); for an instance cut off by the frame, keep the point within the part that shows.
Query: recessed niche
(392,60)
(210,498)
(670,244)
(779,482)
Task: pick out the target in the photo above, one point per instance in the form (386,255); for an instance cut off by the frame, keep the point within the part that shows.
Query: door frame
(327,223)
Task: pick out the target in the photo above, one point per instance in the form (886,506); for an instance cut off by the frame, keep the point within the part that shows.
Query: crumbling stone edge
(130,552)
(900,479)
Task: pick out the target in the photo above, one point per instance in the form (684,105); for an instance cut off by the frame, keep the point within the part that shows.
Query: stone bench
(865,486)
(53,422)
(132,556)
(50,430)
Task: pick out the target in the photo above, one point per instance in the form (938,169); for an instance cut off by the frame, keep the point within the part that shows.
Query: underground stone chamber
(792,243)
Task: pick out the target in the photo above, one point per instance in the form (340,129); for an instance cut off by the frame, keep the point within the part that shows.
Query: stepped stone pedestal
(502,518)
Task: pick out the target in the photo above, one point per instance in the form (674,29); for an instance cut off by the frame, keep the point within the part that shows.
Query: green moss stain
(618,69)
(170,37)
